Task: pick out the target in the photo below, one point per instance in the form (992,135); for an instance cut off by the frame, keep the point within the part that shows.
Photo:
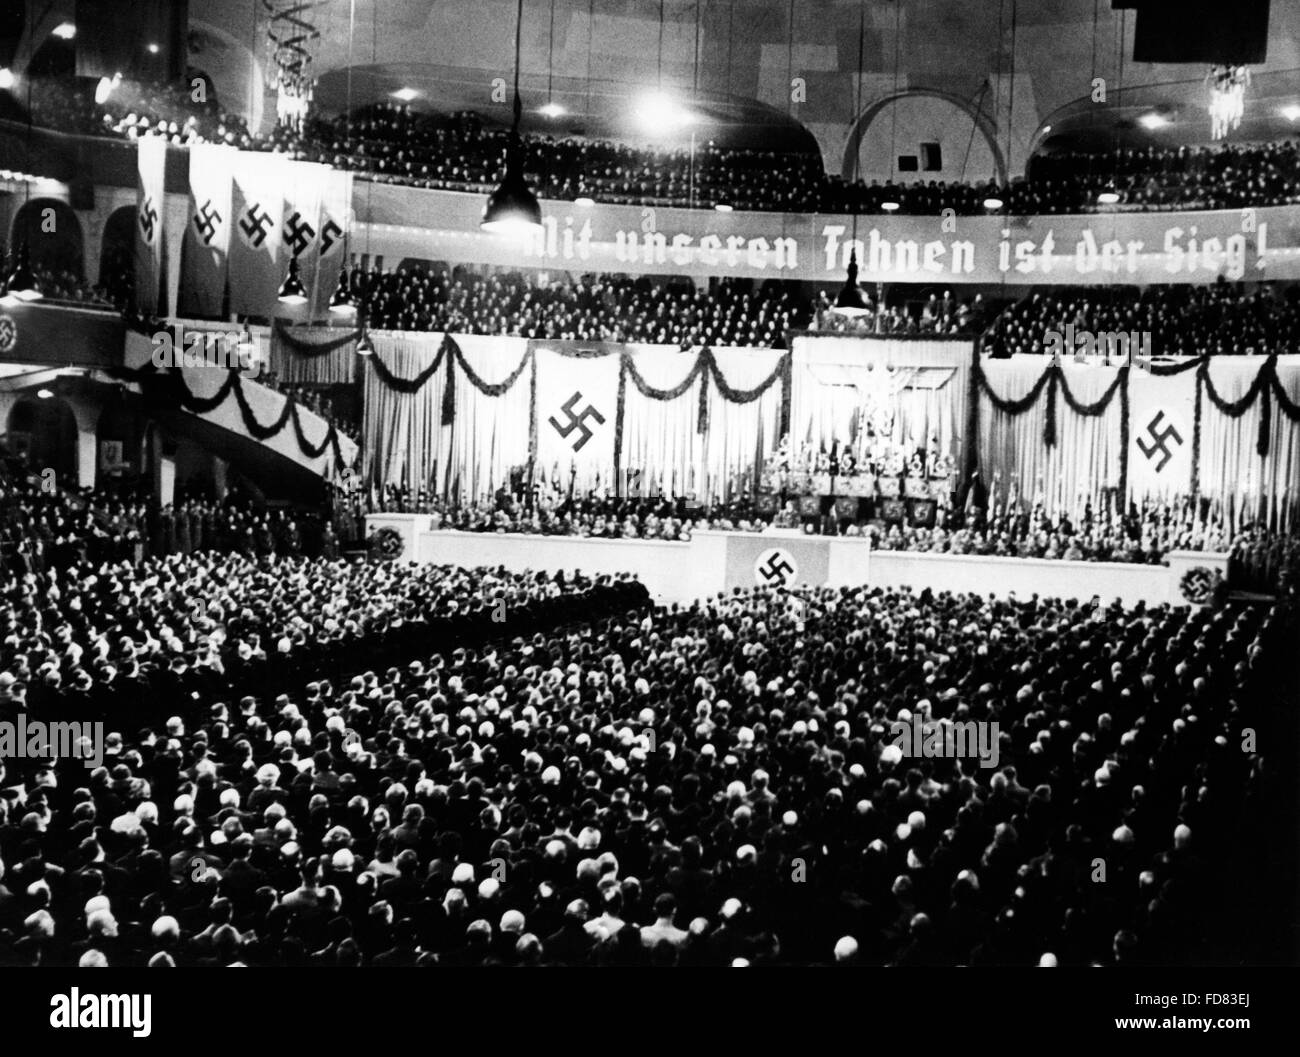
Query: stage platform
(681,571)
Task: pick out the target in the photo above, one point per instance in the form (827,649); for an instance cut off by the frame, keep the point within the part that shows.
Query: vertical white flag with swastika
(255,263)
(206,248)
(151,206)
(304,191)
(328,255)
(1161,418)
(577,408)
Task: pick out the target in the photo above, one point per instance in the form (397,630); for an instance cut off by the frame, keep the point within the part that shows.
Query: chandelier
(289,40)
(1227,98)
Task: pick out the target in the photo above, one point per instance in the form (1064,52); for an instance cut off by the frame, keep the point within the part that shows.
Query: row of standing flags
(248,213)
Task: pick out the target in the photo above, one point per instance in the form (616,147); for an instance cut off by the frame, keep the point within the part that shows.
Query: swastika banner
(206,247)
(256,265)
(577,410)
(321,267)
(1162,413)
(151,207)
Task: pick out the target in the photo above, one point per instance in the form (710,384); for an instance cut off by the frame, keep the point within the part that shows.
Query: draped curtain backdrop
(1059,431)
(314,355)
(452,415)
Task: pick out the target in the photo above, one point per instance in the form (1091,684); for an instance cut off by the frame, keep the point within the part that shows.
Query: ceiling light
(6,77)
(890,205)
(1291,112)
(993,202)
(722,207)
(365,347)
(659,114)
(103,89)
(1153,121)
(292,292)
(341,302)
(552,110)
(22,282)
(850,301)
(64,31)
(1107,198)
(153,49)
(45,394)
(405,94)
(513,209)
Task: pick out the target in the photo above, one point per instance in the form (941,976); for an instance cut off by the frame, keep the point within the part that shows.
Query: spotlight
(105,87)
(722,207)
(153,49)
(890,205)
(552,110)
(45,394)
(1291,112)
(850,301)
(292,292)
(1153,121)
(659,115)
(993,202)
(7,77)
(405,94)
(64,31)
(1107,197)
(365,347)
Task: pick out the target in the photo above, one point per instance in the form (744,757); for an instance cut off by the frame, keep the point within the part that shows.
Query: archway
(42,433)
(936,117)
(52,232)
(117,256)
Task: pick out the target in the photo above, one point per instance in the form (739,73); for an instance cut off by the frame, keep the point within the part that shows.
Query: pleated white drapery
(1083,462)
(407,442)
(337,367)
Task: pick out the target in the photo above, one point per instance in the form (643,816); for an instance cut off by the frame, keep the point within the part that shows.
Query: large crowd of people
(1221,319)
(393,143)
(718,784)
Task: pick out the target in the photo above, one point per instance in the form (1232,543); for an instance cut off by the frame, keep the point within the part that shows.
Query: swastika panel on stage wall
(1161,424)
(783,561)
(775,567)
(577,409)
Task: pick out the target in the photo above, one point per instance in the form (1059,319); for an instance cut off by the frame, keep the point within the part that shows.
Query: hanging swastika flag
(1162,414)
(256,263)
(151,207)
(206,247)
(577,407)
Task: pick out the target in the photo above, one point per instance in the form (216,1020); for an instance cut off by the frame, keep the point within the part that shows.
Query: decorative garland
(1054,378)
(290,414)
(313,349)
(1198,584)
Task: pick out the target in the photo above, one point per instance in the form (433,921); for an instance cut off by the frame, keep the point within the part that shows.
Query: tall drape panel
(577,415)
(403,431)
(489,434)
(1014,458)
(314,355)
(834,377)
(742,435)
(1249,486)
(661,437)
